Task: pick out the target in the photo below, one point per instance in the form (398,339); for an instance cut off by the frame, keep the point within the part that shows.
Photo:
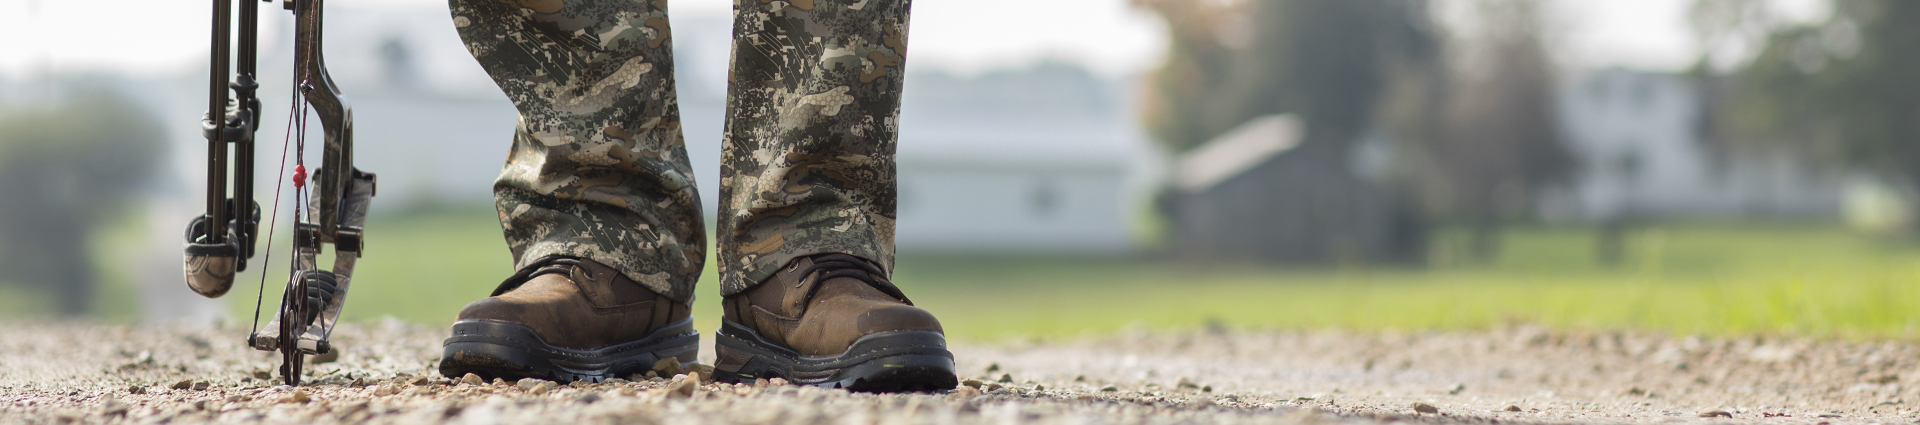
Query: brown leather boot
(833,321)
(568,319)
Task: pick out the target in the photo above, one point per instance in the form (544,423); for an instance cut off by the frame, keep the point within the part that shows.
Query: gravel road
(84,373)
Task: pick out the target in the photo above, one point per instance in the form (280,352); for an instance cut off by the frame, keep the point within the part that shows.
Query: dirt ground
(83,373)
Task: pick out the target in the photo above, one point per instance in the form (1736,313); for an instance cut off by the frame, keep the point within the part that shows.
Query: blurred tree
(1477,132)
(1326,60)
(1500,142)
(67,168)
(1329,62)
(1841,90)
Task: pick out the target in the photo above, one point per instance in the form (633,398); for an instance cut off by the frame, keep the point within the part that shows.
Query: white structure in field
(1034,160)
(1637,137)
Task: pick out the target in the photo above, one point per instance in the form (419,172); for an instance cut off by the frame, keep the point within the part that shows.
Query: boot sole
(495,349)
(895,361)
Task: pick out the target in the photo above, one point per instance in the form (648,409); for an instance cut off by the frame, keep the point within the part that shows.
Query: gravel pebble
(667,367)
(529,383)
(1425,408)
(113,407)
(472,379)
(1715,413)
(682,387)
(964,393)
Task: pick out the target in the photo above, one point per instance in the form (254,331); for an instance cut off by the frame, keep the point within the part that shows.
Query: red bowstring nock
(299,176)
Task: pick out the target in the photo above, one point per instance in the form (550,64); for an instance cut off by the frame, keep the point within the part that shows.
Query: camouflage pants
(599,170)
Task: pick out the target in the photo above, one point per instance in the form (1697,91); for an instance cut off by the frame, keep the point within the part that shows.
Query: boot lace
(832,266)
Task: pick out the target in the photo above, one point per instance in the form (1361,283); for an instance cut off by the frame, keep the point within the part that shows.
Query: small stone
(579,384)
(1716,413)
(1200,402)
(1635,391)
(184,384)
(1006,378)
(1206,388)
(975,383)
(668,366)
(498,382)
(1456,389)
(1038,387)
(1511,408)
(699,377)
(113,407)
(262,375)
(1425,408)
(993,386)
(588,398)
(761,382)
(385,390)
(541,388)
(136,389)
(993,367)
(1080,378)
(682,387)
(422,381)
(1109,388)
(529,383)
(472,379)
(202,385)
(1186,383)
(777,382)
(652,375)
(706,372)
(615,381)
(964,393)
(1829,415)
(1305,415)
(298,396)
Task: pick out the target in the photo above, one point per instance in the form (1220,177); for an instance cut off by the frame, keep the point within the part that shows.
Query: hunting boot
(568,319)
(832,321)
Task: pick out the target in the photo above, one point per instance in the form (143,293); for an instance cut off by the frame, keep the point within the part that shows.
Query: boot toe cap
(493,308)
(897,318)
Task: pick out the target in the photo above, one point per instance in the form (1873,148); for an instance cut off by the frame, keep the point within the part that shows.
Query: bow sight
(220,242)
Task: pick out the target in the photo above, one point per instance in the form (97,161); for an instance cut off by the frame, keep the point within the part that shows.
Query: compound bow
(220,242)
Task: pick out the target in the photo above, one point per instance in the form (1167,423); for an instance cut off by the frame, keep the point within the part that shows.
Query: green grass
(1696,278)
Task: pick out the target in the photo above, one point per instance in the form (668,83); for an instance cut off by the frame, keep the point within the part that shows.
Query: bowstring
(274,222)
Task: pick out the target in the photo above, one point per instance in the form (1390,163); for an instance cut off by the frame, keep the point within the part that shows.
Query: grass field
(1694,278)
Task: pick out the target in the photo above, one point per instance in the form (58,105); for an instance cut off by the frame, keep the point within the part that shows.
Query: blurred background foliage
(70,168)
(1453,166)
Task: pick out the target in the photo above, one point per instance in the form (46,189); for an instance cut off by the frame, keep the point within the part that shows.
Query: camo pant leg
(598,169)
(813,114)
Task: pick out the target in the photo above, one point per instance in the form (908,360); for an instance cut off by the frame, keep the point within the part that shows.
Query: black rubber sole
(884,362)
(494,349)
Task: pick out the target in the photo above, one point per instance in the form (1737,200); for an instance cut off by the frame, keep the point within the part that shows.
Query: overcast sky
(169,36)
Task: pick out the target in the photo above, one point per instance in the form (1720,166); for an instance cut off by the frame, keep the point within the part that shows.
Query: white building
(1035,160)
(1637,138)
